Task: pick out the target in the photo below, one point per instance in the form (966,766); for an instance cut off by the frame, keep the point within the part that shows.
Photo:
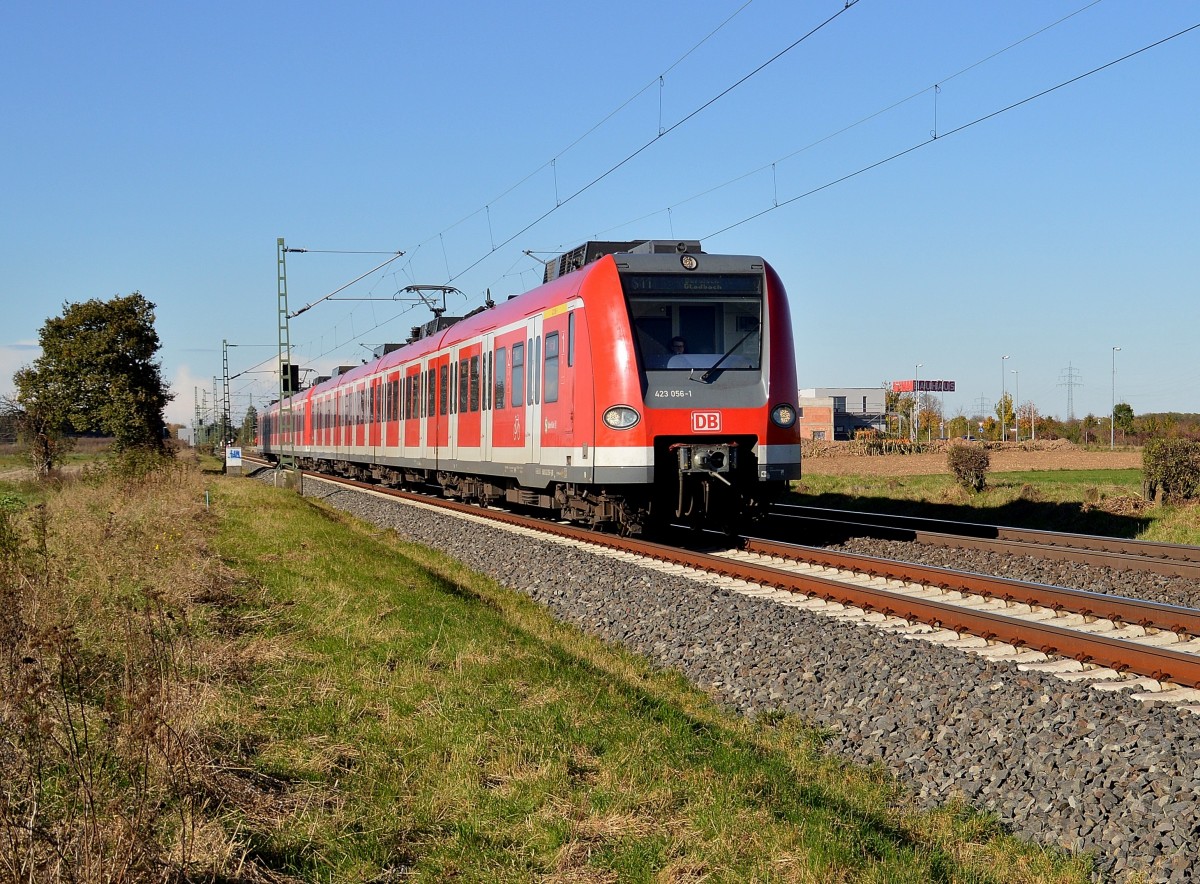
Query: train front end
(712,338)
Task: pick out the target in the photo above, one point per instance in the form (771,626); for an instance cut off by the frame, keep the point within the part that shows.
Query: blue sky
(163,147)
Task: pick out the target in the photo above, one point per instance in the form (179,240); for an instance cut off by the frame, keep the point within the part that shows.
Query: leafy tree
(1089,427)
(249,426)
(1004,414)
(97,372)
(1123,418)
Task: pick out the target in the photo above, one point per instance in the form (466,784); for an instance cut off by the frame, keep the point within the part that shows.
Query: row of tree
(1024,421)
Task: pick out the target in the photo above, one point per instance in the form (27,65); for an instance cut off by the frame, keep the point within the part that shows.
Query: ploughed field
(831,460)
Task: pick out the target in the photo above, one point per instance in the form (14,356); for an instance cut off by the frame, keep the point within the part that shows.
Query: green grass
(402,715)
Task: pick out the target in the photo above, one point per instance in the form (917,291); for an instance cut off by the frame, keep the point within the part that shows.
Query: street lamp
(1016,405)
(916,399)
(1002,415)
(1112,415)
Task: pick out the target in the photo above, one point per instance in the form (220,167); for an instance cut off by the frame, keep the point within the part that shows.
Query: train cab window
(518,375)
(464,388)
(501,375)
(570,339)
(473,385)
(719,315)
(552,367)
(443,388)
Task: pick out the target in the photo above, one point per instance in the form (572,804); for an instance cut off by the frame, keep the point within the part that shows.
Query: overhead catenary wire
(859,122)
(663,132)
(342,288)
(563,201)
(935,137)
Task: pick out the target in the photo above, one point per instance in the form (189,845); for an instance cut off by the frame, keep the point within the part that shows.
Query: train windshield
(684,322)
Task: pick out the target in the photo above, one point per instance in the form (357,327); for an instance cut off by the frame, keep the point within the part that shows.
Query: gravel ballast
(1056,762)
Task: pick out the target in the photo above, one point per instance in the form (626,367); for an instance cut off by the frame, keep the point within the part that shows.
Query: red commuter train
(642,383)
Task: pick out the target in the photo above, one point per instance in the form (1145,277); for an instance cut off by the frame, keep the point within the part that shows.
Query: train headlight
(783,416)
(621,417)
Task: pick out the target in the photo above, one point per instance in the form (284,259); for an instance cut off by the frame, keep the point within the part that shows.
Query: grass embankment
(356,708)
(1082,501)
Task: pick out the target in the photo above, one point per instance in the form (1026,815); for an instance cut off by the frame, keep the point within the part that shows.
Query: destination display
(692,283)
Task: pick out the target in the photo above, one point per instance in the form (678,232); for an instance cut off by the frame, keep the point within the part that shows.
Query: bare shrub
(969,464)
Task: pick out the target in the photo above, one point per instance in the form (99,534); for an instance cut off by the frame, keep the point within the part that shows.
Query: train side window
(518,375)
(443,388)
(501,375)
(464,386)
(474,384)
(552,367)
(431,392)
(570,339)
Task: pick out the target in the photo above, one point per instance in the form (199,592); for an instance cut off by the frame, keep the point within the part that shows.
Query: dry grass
(116,629)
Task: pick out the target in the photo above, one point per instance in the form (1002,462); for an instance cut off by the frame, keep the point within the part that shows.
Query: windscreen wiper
(707,377)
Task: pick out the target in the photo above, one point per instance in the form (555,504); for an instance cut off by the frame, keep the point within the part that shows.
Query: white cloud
(12,357)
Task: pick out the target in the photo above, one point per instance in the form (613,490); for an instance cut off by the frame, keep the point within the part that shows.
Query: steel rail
(1123,656)
(1119,609)
(1168,559)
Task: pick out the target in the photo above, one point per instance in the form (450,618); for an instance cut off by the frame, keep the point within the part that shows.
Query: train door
(412,410)
(487,386)
(437,421)
(558,389)
(533,390)
(391,411)
(375,422)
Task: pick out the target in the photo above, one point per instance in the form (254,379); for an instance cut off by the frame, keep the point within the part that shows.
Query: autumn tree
(1004,414)
(97,373)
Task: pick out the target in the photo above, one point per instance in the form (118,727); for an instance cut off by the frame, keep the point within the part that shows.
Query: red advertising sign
(923,386)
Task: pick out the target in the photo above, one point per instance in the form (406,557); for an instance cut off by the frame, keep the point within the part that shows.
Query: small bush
(1171,466)
(969,464)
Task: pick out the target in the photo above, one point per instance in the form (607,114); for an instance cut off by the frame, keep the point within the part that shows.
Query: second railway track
(1169,559)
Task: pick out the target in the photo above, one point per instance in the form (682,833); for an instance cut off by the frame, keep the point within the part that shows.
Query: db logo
(706,421)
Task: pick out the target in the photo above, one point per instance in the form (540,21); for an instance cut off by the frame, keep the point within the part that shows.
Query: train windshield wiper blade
(707,377)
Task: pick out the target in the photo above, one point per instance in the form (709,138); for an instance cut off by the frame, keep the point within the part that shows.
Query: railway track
(1116,643)
(1168,559)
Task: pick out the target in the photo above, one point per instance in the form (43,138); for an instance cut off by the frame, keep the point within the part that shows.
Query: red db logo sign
(706,421)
